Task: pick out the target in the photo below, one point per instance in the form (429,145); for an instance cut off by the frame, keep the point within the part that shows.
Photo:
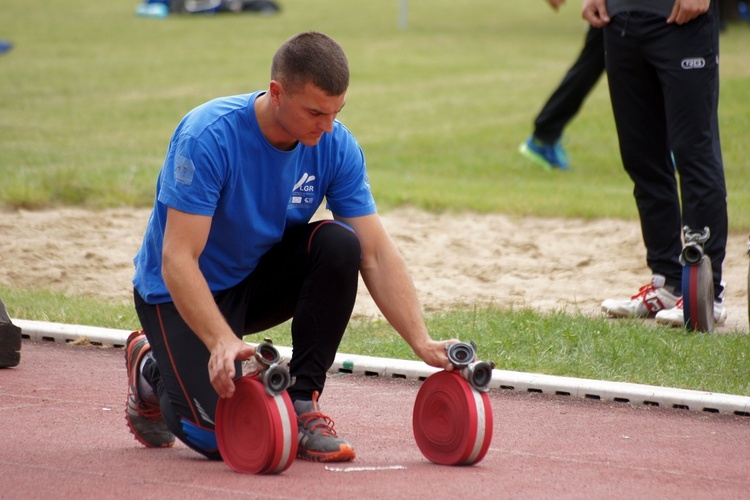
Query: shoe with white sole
(649,300)
(676,315)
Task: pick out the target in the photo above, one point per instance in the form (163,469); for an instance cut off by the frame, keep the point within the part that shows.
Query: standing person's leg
(568,97)
(687,58)
(543,147)
(687,61)
(638,106)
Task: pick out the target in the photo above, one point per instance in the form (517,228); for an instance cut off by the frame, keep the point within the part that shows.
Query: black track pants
(311,277)
(568,97)
(664,86)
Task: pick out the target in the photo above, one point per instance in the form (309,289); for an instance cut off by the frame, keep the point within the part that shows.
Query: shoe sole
(345,454)
(669,322)
(527,153)
(613,314)
(130,345)
(140,439)
(538,159)
(681,324)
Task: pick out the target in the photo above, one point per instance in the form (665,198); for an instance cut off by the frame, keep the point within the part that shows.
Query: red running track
(63,435)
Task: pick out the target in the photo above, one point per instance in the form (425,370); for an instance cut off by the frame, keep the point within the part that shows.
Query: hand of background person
(555,4)
(687,10)
(595,12)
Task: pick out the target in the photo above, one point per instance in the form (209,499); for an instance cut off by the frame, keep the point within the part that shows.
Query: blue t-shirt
(219,164)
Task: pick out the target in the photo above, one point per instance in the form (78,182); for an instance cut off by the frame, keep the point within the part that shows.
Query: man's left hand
(435,354)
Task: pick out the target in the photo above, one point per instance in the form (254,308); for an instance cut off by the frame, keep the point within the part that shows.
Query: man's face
(307,113)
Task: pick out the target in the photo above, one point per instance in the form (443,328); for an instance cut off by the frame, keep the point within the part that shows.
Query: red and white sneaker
(649,300)
(676,315)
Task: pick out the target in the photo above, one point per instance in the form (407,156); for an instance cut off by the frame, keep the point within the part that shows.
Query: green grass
(516,339)
(43,305)
(577,346)
(90,94)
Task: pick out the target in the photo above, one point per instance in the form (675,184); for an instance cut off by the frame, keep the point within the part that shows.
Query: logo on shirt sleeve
(184,170)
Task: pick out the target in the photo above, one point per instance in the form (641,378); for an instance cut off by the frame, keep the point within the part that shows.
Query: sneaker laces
(643,291)
(316,422)
(146,409)
(655,303)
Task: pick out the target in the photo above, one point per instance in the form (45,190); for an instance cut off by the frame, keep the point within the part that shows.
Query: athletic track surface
(63,435)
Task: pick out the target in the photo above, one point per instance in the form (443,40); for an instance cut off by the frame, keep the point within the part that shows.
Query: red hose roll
(256,433)
(452,421)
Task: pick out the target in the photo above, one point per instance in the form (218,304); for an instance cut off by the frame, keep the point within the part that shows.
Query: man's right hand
(221,369)
(687,10)
(595,12)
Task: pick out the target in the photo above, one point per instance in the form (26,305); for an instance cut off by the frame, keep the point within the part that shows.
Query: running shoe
(649,300)
(143,416)
(544,154)
(676,315)
(5,46)
(318,441)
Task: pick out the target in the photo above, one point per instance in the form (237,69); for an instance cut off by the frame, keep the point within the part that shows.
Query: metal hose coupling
(463,356)
(692,252)
(267,364)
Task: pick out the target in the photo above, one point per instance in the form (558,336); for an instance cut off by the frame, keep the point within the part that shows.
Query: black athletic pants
(664,86)
(311,276)
(568,97)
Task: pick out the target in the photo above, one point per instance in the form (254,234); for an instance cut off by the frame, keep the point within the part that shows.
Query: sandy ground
(455,259)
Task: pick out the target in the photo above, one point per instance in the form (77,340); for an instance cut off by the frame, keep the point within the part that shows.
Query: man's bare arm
(185,238)
(387,279)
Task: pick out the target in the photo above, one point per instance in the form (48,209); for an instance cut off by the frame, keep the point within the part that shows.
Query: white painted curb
(501,379)
(63,333)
